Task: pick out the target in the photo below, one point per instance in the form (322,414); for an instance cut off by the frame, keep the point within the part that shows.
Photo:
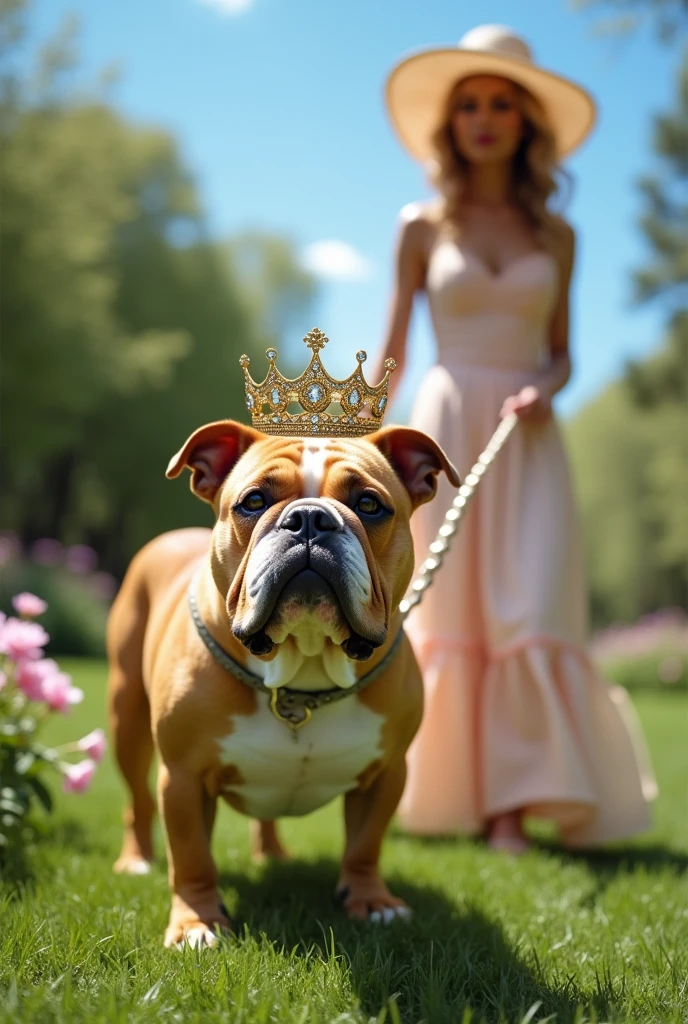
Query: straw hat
(418,87)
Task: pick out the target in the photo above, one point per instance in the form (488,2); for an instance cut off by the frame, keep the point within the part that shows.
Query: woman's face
(486,119)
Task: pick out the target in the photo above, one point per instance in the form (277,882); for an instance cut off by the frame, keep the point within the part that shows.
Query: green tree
(124,497)
(634,487)
(610,451)
(658,386)
(122,321)
(665,219)
(669,18)
(64,348)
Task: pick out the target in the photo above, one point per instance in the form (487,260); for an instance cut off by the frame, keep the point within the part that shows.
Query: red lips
(485,139)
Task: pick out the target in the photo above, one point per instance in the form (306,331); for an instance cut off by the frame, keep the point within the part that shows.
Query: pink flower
(77,777)
(59,692)
(81,559)
(29,605)
(10,548)
(31,676)
(47,552)
(20,639)
(94,744)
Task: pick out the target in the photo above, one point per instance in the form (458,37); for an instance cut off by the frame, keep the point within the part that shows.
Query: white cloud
(228,6)
(336,261)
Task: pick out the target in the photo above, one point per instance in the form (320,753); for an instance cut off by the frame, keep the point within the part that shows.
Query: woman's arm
(534,402)
(409,278)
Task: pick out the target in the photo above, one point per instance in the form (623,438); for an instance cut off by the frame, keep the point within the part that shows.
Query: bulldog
(264,660)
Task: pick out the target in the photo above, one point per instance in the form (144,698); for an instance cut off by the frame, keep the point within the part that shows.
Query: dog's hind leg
(265,842)
(130,726)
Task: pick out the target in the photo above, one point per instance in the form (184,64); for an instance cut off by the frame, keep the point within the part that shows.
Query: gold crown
(315,391)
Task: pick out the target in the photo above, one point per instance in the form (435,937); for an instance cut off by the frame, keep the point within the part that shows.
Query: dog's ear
(416,459)
(210,453)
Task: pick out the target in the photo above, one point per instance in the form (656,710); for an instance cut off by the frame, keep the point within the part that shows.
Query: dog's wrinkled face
(312,538)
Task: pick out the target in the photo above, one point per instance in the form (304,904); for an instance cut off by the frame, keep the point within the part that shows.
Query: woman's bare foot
(506,833)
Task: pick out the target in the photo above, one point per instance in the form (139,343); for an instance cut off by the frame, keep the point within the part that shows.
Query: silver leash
(442,542)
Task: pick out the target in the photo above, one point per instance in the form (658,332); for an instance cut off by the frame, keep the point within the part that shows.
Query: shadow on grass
(444,960)
(622,860)
(607,862)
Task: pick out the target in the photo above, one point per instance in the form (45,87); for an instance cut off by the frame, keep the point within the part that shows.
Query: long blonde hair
(537,177)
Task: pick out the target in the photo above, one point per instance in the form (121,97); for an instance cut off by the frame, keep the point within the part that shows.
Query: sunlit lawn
(550,936)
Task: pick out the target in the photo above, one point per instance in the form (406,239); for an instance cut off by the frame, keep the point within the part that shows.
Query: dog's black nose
(309,522)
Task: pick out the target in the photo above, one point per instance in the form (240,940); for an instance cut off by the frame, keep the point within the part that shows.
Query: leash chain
(442,542)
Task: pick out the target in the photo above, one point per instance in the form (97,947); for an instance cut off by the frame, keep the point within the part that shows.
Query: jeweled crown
(315,391)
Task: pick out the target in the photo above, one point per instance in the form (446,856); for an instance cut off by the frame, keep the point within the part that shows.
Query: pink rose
(59,692)
(94,744)
(19,639)
(29,605)
(31,676)
(77,777)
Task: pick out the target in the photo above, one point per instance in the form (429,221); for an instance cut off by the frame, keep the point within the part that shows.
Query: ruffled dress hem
(531,726)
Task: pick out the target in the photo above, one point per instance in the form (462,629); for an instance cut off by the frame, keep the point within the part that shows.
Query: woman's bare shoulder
(565,234)
(418,224)
(427,211)
(563,244)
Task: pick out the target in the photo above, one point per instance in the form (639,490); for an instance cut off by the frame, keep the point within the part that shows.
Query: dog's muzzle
(309,556)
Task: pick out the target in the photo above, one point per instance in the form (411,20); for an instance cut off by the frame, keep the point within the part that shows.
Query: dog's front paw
(369,899)
(131,864)
(202,930)
(196,933)
(198,936)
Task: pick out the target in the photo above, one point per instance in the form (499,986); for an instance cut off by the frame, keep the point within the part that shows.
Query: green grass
(551,936)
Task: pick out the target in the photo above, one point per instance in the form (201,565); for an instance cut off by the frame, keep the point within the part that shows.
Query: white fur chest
(290,774)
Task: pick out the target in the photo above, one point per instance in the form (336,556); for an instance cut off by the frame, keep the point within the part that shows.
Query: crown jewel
(315,391)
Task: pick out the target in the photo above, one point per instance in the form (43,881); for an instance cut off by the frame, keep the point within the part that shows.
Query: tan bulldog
(265,660)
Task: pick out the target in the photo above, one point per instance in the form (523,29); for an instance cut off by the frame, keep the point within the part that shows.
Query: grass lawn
(551,936)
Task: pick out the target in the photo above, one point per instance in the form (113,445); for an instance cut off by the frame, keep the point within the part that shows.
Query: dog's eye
(368,505)
(253,502)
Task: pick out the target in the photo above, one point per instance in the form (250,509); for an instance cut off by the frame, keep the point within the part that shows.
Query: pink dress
(516,715)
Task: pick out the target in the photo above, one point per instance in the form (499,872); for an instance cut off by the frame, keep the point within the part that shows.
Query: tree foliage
(668,18)
(122,320)
(630,446)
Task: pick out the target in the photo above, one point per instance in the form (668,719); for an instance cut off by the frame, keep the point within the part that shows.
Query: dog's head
(312,538)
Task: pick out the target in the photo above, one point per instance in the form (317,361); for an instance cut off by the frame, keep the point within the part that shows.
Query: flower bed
(649,654)
(78,593)
(32,688)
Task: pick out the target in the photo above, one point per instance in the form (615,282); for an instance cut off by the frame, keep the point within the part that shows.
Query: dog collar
(293,707)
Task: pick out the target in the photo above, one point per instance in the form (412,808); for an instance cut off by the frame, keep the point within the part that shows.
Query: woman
(517,722)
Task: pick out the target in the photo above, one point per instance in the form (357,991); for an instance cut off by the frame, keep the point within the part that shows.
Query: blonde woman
(517,721)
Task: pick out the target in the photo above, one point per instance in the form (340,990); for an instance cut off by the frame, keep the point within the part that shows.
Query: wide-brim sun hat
(419,86)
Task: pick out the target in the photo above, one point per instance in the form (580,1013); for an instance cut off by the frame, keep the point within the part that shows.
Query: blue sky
(277,106)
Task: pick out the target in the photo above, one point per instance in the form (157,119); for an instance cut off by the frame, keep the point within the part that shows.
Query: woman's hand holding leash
(530,404)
